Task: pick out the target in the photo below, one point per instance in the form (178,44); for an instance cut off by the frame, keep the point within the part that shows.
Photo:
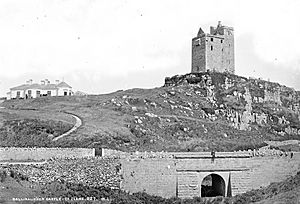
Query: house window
(18,94)
(38,93)
(29,93)
(48,93)
(211,39)
(211,48)
(197,42)
(65,93)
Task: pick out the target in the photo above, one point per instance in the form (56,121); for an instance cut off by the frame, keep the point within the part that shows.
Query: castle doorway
(213,185)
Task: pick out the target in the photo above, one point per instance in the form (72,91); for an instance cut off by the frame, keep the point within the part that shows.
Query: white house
(45,88)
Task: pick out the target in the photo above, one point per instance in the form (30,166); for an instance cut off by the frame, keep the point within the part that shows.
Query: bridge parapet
(209,155)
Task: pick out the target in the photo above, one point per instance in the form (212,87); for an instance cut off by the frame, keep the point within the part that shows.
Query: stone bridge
(206,174)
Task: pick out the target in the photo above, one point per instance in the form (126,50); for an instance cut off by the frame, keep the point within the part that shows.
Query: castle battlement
(213,51)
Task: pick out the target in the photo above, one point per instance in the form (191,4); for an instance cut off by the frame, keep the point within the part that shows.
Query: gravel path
(78,123)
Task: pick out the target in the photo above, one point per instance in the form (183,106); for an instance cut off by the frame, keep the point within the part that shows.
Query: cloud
(91,40)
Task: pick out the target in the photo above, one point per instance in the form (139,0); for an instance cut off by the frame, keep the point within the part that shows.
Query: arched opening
(213,185)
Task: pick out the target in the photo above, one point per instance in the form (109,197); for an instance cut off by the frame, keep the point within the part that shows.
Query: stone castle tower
(213,51)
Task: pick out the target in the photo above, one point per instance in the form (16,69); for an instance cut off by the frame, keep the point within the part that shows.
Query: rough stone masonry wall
(169,177)
(228,54)
(198,54)
(38,154)
(182,177)
(215,54)
(236,168)
(268,169)
(154,176)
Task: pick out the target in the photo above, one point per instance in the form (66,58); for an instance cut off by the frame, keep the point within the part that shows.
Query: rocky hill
(192,112)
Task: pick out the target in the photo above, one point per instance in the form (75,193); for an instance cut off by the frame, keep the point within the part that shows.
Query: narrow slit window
(211,39)
(211,48)
(221,41)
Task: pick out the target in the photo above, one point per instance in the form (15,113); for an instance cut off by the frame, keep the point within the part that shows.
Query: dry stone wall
(38,154)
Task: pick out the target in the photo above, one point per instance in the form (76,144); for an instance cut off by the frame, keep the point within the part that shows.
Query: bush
(30,132)
(3,176)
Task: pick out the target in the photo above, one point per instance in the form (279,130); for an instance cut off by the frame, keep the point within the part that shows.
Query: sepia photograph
(150,102)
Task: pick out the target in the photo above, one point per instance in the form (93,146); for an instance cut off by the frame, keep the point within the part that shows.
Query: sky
(101,46)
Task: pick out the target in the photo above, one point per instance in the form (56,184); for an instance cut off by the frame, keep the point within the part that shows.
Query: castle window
(229,45)
(211,39)
(211,48)
(222,49)
(221,41)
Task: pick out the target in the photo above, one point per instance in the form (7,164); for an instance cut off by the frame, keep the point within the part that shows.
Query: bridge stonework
(183,174)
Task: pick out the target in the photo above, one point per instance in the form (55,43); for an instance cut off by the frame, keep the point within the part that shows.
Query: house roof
(63,84)
(41,86)
(21,87)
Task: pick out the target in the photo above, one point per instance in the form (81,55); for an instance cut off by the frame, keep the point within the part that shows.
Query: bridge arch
(214,184)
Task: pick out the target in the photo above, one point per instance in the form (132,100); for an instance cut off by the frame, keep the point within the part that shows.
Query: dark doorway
(213,185)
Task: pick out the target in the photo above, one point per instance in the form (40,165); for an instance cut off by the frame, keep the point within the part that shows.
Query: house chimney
(29,82)
(47,81)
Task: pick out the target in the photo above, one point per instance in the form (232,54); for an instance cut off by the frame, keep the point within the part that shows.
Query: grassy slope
(179,118)
(12,188)
(287,191)
(24,128)
(16,186)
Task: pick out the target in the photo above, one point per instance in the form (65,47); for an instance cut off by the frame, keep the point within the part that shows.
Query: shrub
(3,176)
